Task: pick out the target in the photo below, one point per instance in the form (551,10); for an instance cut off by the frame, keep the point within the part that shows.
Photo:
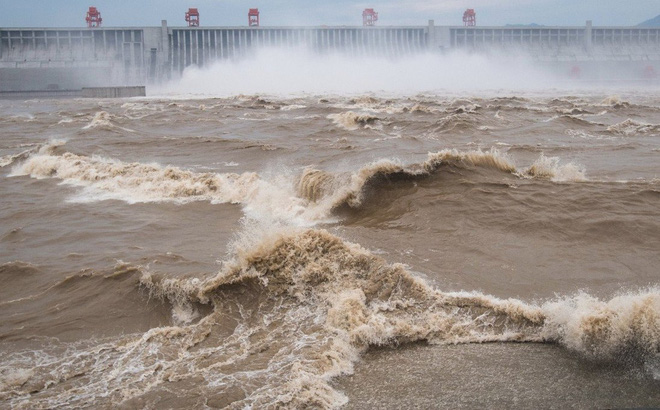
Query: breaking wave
(614,101)
(48,148)
(454,122)
(630,128)
(420,108)
(135,182)
(549,168)
(366,301)
(310,198)
(352,121)
(9,159)
(293,309)
(104,178)
(366,101)
(349,188)
(103,120)
(331,191)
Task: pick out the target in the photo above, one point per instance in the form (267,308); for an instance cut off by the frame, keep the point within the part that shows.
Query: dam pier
(34,59)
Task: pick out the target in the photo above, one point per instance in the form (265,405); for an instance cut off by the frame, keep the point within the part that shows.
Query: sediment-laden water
(437,250)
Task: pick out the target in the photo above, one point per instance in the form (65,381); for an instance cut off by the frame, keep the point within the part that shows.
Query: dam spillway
(72,58)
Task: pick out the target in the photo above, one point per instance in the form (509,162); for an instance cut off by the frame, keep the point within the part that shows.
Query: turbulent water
(331,250)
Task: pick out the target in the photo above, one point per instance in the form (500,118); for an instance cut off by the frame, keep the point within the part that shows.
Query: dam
(72,58)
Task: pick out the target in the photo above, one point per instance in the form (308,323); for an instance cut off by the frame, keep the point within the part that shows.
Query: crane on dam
(192,17)
(253,17)
(93,17)
(469,18)
(369,17)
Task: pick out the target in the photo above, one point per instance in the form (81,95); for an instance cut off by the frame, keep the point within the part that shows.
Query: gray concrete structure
(114,92)
(72,58)
(562,43)
(199,46)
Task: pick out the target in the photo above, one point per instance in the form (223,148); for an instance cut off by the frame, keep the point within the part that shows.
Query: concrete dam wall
(201,45)
(72,58)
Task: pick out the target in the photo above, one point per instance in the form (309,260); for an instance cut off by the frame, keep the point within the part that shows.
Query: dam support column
(165,56)
(432,44)
(154,56)
(442,39)
(588,37)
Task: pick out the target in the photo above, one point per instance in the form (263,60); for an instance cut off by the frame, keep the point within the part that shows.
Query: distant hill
(654,22)
(524,25)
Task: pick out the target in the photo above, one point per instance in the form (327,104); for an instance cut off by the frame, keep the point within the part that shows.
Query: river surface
(436,250)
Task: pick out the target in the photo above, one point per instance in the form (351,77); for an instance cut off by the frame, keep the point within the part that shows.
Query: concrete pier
(113,92)
(72,58)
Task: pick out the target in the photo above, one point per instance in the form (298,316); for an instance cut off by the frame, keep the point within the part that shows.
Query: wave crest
(297,308)
(308,199)
(352,121)
(48,148)
(549,168)
(454,122)
(137,182)
(331,191)
(103,120)
(614,101)
(371,302)
(625,327)
(630,128)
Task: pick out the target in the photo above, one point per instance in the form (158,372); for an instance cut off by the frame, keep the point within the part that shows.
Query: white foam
(272,199)
(606,328)
(629,128)
(104,120)
(301,306)
(297,71)
(550,168)
(293,107)
(352,121)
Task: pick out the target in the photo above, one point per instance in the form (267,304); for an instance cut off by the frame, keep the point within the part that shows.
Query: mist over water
(295,71)
(312,230)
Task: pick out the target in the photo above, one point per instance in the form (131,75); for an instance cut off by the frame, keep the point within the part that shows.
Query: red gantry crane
(93,17)
(369,17)
(192,17)
(469,18)
(253,17)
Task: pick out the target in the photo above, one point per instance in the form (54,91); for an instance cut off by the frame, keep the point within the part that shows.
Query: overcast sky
(71,13)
